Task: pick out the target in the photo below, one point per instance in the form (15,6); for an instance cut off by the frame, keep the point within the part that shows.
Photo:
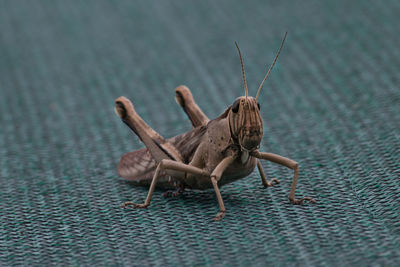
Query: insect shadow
(199,197)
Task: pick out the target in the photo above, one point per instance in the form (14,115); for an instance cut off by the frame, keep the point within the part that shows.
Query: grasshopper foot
(273,182)
(171,193)
(219,216)
(134,205)
(301,200)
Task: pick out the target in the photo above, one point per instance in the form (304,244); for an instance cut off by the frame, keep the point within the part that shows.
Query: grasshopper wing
(139,166)
(136,165)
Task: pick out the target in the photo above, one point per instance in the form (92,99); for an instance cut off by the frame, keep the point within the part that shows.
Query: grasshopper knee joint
(295,166)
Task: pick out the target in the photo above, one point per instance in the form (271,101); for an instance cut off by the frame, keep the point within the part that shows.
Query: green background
(332,103)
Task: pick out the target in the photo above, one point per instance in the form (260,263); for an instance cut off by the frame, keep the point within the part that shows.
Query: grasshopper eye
(235,106)
(258,105)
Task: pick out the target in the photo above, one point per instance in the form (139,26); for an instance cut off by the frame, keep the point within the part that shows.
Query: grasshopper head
(246,123)
(244,117)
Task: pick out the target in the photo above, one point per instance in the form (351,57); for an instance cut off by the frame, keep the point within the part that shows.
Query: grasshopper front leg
(165,165)
(215,177)
(291,164)
(264,180)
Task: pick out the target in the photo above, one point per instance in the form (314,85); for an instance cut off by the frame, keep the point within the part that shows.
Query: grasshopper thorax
(245,123)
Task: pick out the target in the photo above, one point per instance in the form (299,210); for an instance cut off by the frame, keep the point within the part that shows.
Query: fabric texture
(332,103)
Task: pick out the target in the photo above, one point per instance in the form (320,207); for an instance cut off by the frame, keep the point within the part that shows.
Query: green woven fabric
(332,103)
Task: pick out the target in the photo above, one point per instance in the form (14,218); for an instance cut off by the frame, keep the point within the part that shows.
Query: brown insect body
(215,152)
(218,143)
(203,147)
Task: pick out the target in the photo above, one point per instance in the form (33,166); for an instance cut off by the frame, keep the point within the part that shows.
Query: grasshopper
(214,153)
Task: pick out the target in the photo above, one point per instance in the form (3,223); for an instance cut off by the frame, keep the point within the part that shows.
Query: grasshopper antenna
(270,68)
(244,75)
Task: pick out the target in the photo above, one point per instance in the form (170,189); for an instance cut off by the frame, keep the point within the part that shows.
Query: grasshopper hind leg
(185,99)
(158,147)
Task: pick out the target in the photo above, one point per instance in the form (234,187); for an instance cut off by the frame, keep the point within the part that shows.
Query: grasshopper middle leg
(164,165)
